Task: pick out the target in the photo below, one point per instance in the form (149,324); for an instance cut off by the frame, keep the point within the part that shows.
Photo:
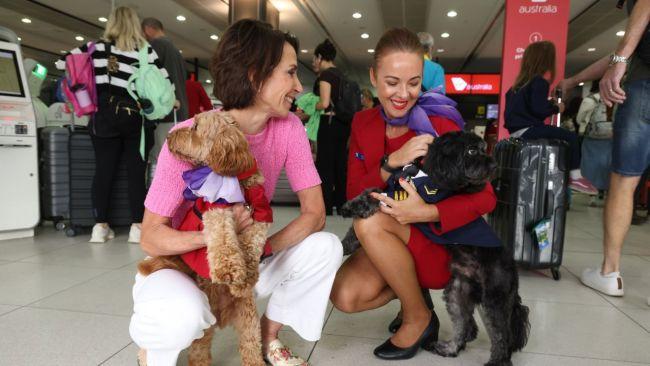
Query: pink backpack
(79,83)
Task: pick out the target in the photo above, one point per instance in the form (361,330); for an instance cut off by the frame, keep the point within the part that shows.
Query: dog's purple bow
(430,103)
(203,182)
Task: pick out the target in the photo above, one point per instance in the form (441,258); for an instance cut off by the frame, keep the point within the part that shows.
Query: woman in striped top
(116,126)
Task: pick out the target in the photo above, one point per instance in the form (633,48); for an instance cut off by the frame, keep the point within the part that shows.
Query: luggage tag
(542,233)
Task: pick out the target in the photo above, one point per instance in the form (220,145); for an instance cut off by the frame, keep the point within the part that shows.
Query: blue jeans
(552,132)
(631,143)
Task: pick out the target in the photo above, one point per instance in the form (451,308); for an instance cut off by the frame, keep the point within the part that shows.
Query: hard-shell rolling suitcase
(531,187)
(82,172)
(55,174)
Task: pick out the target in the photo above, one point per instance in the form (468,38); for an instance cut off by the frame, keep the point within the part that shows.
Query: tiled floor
(66,302)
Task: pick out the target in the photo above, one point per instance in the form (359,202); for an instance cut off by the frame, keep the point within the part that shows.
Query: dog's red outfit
(261,212)
(368,144)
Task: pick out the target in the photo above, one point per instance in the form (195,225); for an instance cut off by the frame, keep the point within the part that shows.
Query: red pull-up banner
(529,21)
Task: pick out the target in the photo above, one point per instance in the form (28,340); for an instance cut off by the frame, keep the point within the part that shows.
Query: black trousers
(332,160)
(108,153)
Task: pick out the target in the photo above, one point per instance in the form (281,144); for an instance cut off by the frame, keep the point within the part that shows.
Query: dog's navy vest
(476,233)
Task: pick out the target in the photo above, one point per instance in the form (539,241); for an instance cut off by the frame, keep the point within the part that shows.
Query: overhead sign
(472,83)
(529,21)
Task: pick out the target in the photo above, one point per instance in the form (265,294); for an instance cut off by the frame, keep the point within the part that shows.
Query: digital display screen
(10,82)
(492,111)
(40,71)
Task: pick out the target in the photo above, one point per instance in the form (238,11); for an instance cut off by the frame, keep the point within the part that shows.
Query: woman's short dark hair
(247,53)
(326,50)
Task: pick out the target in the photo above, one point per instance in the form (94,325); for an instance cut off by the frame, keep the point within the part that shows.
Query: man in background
(173,62)
(630,147)
(433,75)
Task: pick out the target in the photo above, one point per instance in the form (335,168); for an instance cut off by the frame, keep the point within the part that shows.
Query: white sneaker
(101,233)
(134,234)
(610,284)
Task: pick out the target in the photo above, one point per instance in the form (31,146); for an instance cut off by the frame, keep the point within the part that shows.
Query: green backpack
(155,93)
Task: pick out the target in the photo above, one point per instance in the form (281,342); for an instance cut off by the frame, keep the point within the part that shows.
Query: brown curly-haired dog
(216,141)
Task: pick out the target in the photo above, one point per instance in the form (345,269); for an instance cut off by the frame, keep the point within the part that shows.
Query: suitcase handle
(548,205)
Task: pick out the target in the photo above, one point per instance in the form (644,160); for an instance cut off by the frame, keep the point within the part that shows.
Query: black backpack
(349,99)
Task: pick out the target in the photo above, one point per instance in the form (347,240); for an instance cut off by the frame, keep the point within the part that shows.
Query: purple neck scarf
(203,182)
(430,103)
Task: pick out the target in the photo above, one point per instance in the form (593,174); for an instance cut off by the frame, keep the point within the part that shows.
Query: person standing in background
(173,62)
(367,99)
(433,75)
(115,129)
(197,99)
(333,132)
(630,147)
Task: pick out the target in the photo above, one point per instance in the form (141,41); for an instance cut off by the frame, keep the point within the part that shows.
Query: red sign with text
(472,83)
(529,21)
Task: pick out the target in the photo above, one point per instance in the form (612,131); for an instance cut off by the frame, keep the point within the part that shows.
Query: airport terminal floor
(64,301)
(216,112)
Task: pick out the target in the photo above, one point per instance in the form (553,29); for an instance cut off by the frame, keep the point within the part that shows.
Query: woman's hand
(242,217)
(561,106)
(409,211)
(415,148)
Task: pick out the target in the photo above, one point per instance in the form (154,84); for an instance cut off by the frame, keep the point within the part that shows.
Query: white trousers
(170,312)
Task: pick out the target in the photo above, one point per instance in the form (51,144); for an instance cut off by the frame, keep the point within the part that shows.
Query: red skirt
(431,260)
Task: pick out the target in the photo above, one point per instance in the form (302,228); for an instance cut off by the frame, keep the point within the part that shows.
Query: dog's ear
(229,153)
(185,145)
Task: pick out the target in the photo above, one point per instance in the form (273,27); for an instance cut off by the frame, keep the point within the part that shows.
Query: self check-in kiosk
(19,192)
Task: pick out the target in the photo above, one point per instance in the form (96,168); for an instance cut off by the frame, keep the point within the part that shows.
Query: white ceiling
(311,21)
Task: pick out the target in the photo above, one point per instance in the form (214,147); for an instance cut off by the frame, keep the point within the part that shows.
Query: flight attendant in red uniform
(395,259)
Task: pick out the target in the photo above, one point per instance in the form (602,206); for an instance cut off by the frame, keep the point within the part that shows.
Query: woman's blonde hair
(366,93)
(539,57)
(123,28)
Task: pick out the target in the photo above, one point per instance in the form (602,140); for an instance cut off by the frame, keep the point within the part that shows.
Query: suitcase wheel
(70,232)
(556,273)
(59,225)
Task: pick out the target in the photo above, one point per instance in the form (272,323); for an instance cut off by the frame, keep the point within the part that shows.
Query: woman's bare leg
(358,285)
(384,243)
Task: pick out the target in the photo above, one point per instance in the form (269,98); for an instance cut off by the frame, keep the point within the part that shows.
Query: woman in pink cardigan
(254,72)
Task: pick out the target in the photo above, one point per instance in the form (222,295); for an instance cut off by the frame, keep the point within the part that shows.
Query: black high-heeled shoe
(394,325)
(389,351)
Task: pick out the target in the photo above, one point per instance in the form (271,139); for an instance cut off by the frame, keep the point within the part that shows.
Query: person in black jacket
(333,131)
(528,105)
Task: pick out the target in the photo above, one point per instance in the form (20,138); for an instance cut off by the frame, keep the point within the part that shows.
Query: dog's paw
(499,363)
(446,348)
(472,332)
(235,276)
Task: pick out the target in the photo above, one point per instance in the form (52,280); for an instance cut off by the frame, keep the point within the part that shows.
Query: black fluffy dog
(487,276)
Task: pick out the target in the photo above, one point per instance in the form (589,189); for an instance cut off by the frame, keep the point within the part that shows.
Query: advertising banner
(528,21)
(472,84)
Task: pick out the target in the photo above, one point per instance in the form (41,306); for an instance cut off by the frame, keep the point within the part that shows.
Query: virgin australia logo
(536,9)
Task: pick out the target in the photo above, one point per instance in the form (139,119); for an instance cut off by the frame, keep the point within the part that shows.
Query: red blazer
(366,150)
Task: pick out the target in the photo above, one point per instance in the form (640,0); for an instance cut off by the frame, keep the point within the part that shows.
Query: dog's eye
(472,151)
